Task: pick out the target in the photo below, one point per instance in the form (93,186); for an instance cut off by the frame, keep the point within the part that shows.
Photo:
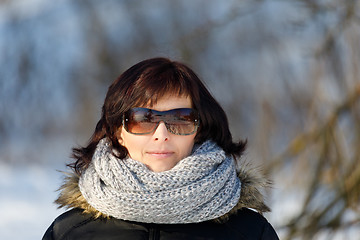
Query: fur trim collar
(252,182)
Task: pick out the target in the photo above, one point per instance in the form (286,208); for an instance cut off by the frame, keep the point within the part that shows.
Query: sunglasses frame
(163,113)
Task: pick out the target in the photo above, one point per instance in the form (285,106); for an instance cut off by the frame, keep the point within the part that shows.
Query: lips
(160,154)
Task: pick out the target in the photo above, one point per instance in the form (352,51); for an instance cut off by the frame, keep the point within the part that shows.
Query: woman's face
(161,150)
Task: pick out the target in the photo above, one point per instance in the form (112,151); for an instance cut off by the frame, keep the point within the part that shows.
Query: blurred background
(286,72)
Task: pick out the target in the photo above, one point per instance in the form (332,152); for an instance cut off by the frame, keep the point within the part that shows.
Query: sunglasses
(180,121)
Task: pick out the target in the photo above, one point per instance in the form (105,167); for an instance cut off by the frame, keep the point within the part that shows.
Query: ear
(118,136)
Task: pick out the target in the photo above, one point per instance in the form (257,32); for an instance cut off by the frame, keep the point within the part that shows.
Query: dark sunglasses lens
(139,121)
(183,121)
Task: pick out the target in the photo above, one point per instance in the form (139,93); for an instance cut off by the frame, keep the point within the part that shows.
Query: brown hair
(144,83)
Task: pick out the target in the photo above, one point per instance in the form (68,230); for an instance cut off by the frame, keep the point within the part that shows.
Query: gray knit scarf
(202,186)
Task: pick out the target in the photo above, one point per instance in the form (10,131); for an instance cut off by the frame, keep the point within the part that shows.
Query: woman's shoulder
(65,223)
(251,225)
(75,224)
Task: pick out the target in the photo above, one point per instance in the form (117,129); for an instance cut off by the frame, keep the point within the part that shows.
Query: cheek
(130,141)
(186,145)
(134,147)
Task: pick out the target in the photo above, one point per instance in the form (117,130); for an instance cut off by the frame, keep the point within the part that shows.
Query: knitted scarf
(202,186)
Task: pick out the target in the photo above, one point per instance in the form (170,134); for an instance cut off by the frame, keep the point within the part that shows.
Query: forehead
(170,101)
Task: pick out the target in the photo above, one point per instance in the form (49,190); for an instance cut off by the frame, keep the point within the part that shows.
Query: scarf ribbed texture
(202,186)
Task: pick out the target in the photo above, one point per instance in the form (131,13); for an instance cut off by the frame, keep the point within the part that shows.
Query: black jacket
(85,222)
(245,224)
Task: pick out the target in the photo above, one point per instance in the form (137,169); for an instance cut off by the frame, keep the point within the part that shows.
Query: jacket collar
(252,182)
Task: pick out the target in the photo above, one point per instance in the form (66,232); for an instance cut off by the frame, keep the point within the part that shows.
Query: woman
(161,164)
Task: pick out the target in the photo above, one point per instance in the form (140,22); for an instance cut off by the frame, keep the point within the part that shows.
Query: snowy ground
(26,201)
(28,186)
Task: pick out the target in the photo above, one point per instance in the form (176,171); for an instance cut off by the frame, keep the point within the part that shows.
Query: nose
(161,133)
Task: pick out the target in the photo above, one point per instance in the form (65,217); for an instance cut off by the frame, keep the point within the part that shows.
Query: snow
(26,201)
